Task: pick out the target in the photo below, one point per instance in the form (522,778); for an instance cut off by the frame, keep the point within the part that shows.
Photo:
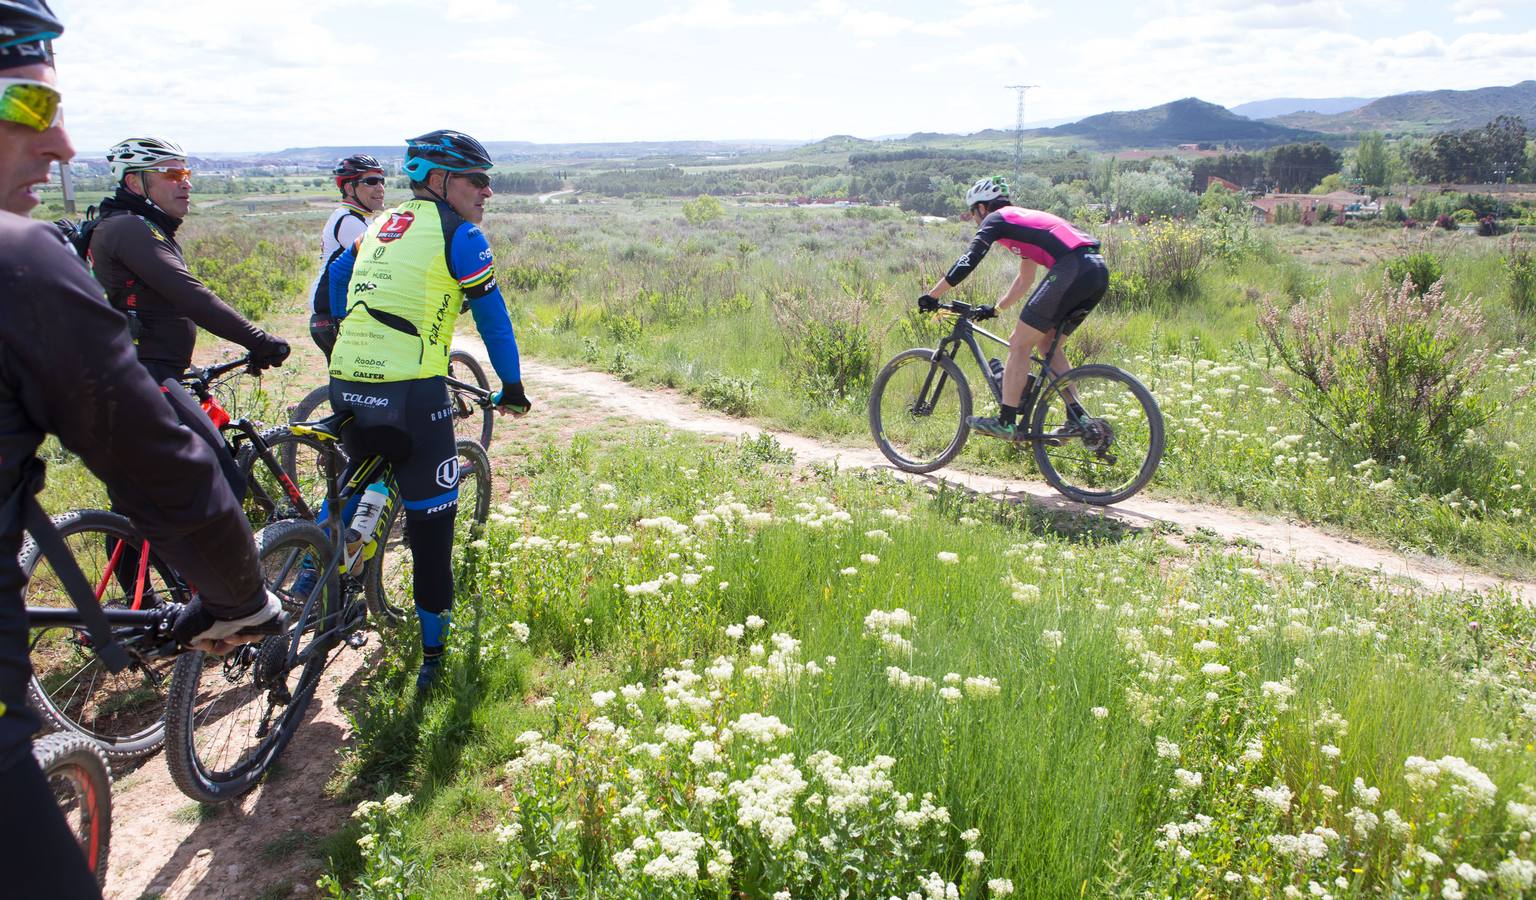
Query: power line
(1018,133)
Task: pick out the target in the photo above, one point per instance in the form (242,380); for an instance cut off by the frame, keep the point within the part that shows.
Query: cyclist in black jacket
(68,368)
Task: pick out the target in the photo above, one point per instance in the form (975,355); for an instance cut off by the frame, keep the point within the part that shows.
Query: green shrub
(1169,256)
(1397,382)
(255,277)
(529,276)
(703,210)
(827,341)
(730,394)
(1422,268)
(1127,290)
(1520,263)
(1464,217)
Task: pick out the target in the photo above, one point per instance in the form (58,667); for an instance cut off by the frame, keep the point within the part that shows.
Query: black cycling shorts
(1071,288)
(410,424)
(323,330)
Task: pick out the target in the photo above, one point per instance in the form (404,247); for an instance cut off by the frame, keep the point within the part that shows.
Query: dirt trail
(166,846)
(1273,538)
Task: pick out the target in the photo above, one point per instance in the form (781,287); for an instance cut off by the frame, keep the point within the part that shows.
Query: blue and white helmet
(985,190)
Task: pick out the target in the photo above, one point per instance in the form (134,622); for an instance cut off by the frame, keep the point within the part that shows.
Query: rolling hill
(1424,112)
(1183,121)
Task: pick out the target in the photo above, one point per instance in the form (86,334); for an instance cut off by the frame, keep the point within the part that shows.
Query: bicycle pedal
(357,640)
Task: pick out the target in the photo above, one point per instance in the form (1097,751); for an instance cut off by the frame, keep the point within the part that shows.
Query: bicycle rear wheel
(302,460)
(230,717)
(124,714)
(471,421)
(387,577)
(316,404)
(1111,455)
(81,782)
(918,405)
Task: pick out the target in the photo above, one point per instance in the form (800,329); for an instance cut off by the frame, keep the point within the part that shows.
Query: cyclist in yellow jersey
(397,295)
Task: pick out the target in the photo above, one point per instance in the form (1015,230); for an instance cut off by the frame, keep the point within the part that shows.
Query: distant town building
(1347,203)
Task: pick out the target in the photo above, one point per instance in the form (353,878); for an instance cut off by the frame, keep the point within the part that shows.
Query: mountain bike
(920,401)
(229,718)
(124,713)
(467,388)
(77,769)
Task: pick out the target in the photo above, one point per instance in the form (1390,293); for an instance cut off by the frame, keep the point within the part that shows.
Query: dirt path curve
(1273,537)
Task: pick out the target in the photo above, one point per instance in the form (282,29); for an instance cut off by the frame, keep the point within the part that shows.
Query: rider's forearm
(939,289)
(495,327)
(1022,282)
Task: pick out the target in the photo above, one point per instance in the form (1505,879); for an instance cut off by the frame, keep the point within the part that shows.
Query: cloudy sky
(221,76)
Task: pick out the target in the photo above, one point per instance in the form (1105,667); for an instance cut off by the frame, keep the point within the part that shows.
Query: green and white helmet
(989,188)
(140,153)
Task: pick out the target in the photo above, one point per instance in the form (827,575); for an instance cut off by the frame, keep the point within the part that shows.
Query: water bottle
(996,365)
(365,521)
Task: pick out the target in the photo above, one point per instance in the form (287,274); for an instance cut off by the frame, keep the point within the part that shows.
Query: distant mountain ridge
(1423,112)
(1284,106)
(1190,120)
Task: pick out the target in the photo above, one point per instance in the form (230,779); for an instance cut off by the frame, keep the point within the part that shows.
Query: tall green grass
(1117,686)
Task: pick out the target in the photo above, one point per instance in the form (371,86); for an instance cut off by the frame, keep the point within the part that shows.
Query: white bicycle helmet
(989,188)
(140,153)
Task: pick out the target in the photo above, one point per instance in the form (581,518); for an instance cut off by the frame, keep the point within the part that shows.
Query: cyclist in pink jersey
(1075,281)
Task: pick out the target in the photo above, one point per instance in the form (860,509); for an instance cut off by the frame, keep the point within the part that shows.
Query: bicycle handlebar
(960,308)
(196,378)
(482,395)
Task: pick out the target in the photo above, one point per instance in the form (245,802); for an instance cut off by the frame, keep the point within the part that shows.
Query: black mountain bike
(919,403)
(467,388)
(124,713)
(228,718)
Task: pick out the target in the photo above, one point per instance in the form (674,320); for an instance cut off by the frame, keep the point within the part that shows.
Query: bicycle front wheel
(1111,454)
(471,421)
(124,714)
(387,578)
(81,783)
(917,410)
(315,405)
(230,717)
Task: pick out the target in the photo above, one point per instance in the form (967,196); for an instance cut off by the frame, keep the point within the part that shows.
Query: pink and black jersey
(1030,233)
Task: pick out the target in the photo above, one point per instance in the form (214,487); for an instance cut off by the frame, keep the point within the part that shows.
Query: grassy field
(680,670)
(683,669)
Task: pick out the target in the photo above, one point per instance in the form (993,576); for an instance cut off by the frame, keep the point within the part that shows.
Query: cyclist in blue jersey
(360,179)
(396,295)
(1075,280)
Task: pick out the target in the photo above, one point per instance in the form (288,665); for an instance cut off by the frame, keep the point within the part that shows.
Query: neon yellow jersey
(402,301)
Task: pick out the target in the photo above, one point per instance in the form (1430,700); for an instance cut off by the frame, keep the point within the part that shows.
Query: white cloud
(1494,46)
(470,12)
(1415,45)
(721,15)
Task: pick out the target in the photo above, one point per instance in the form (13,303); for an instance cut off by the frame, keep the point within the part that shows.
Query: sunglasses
(373,180)
(171,173)
(36,105)
(479,180)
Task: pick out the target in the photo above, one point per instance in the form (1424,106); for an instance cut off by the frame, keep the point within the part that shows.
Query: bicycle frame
(337,498)
(964,333)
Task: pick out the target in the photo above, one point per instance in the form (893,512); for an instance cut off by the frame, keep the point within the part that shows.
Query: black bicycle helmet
(25,21)
(355,167)
(451,150)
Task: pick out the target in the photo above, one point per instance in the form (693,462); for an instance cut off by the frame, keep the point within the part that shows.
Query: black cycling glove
(982,313)
(511,397)
(925,303)
(268,353)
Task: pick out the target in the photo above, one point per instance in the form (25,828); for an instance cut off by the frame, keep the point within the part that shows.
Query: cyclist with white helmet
(396,296)
(134,254)
(360,179)
(1075,281)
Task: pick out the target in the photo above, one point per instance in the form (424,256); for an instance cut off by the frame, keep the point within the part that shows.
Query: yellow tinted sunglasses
(34,104)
